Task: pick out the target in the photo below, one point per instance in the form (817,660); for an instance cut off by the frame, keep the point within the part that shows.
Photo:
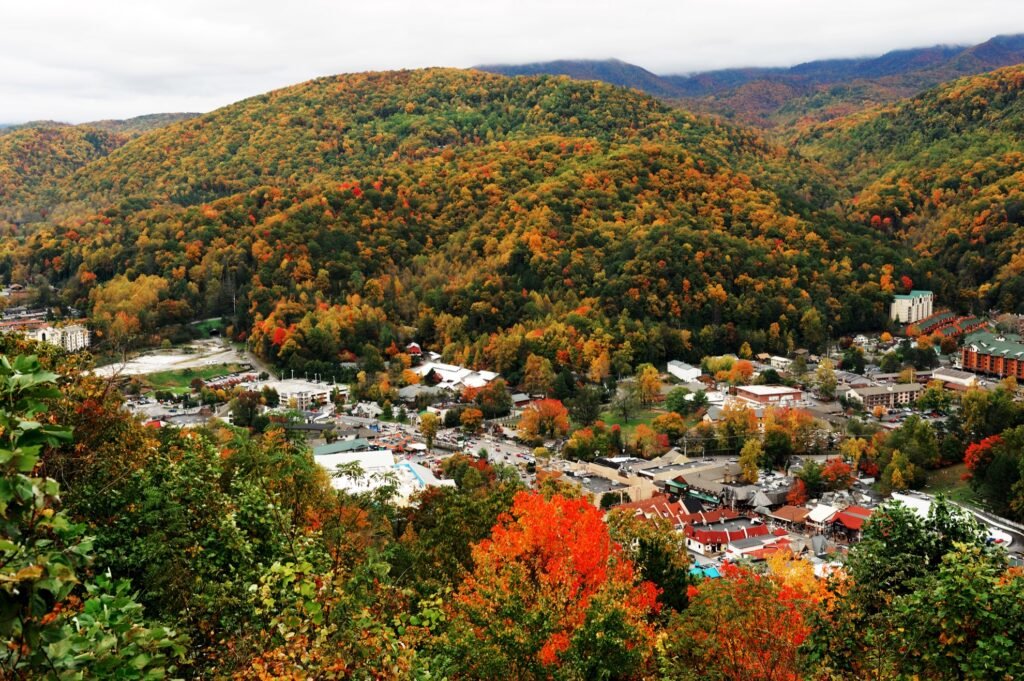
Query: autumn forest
(529,226)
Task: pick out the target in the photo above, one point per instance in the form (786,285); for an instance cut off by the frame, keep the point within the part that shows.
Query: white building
(378,468)
(455,377)
(955,376)
(683,371)
(912,307)
(780,363)
(73,337)
(307,395)
(764,395)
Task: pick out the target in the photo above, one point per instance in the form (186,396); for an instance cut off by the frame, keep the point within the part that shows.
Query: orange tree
(551,596)
(544,418)
(742,626)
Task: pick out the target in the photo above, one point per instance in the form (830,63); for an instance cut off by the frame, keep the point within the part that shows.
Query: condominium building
(912,307)
(888,396)
(987,353)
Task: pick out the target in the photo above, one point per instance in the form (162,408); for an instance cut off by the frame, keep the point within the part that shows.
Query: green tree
(626,403)
(812,329)
(43,557)
(586,406)
(678,400)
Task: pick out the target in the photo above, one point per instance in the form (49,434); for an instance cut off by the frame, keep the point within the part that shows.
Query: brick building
(987,353)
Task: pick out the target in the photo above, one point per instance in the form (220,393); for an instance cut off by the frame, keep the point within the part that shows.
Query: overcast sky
(79,60)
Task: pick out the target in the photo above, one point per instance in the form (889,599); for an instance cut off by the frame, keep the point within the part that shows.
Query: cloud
(78,61)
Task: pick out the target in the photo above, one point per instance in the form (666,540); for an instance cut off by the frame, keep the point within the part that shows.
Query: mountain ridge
(438,197)
(760,95)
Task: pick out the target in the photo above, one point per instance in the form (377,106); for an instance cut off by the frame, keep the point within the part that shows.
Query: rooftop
(766,390)
(341,447)
(1007,344)
(883,389)
(912,295)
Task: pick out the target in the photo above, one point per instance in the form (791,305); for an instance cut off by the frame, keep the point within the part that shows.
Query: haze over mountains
(819,89)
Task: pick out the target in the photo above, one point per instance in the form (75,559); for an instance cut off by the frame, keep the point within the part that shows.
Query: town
(745,455)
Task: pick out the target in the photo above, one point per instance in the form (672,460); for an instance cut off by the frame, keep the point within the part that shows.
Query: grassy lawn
(178,381)
(208,325)
(642,416)
(947,481)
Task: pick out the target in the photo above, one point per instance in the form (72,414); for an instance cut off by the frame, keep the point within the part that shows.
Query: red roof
(724,536)
(705,517)
(849,520)
(658,505)
(793,514)
(770,549)
(858,510)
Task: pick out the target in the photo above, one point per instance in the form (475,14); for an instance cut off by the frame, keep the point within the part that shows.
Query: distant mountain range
(612,71)
(128,126)
(818,90)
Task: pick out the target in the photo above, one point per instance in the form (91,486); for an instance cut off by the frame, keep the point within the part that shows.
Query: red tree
(548,577)
(979,455)
(837,474)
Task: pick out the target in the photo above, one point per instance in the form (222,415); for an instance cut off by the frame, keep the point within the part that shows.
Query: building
(453,377)
(996,355)
(764,395)
(912,307)
(301,394)
(72,337)
(780,363)
(887,396)
(711,532)
(365,471)
(683,371)
(850,521)
(955,377)
(343,447)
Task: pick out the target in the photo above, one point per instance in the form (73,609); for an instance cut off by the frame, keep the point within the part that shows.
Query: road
(1010,528)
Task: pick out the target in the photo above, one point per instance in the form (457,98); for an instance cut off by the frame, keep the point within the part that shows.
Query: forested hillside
(138,125)
(944,173)
(793,98)
(787,98)
(35,158)
(485,216)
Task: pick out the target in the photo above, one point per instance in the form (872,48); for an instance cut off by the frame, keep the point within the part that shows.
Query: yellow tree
(600,367)
(648,382)
(428,427)
(644,440)
(538,376)
(750,460)
(853,449)
(471,419)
